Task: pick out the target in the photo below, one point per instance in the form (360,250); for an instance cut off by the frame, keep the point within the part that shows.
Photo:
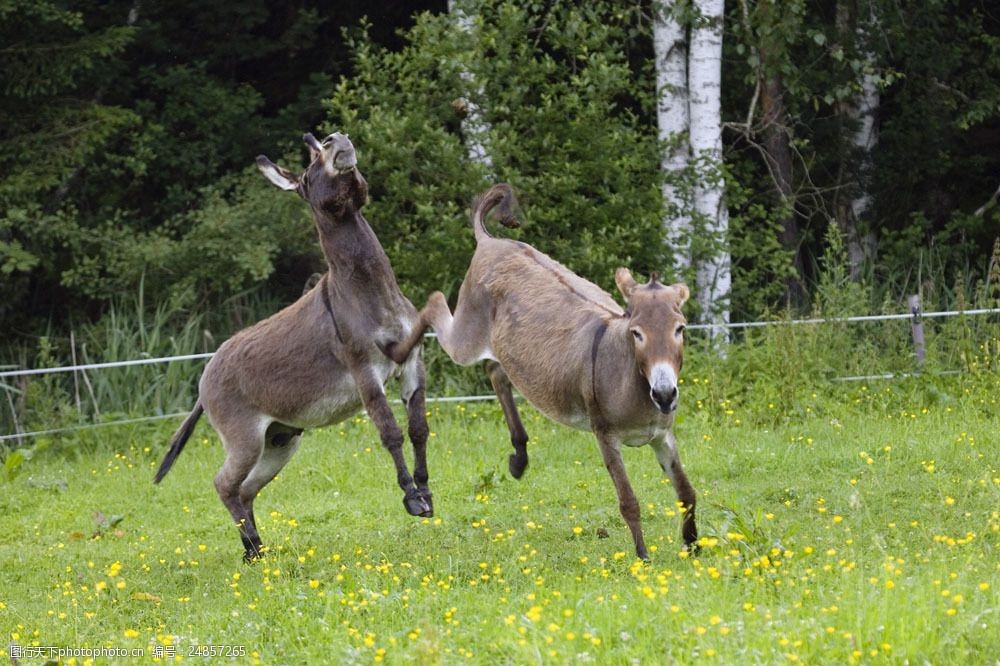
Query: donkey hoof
(425,494)
(417,505)
(517,464)
(251,556)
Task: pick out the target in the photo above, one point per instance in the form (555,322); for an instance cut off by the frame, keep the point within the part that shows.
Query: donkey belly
(338,402)
(550,390)
(331,407)
(578,420)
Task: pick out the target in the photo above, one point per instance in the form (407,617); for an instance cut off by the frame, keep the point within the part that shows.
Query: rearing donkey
(321,358)
(573,353)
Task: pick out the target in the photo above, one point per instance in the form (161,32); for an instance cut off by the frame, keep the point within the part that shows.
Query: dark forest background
(128,132)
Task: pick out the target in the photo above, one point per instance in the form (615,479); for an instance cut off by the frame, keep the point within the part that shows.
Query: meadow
(859,527)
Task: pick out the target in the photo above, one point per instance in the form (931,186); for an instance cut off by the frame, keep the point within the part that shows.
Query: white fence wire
(915,315)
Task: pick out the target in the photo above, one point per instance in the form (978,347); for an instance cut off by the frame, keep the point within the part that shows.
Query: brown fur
(572,351)
(320,359)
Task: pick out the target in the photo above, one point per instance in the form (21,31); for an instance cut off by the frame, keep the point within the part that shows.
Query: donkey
(321,358)
(573,353)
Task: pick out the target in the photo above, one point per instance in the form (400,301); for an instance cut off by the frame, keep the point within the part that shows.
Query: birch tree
(861,137)
(670,49)
(474,127)
(713,273)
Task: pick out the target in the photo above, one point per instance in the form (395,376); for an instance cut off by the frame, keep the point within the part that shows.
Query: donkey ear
(315,147)
(683,293)
(278,176)
(625,282)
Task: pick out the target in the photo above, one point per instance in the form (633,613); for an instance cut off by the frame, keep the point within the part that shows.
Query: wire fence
(914,315)
(690,327)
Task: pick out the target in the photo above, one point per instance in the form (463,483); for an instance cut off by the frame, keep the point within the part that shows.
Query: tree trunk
(670,49)
(713,279)
(860,137)
(474,128)
(779,158)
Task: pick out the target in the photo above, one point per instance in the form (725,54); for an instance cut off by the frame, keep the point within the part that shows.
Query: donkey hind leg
(518,460)
(280,444)
(244,445)
(436,315)
(627,502)
(373,397)
(414,397)
(669,459)
(464,336)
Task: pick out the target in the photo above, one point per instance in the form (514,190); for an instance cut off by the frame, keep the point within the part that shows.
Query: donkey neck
(352,250)
(361,283)
(616,356)
(616,378)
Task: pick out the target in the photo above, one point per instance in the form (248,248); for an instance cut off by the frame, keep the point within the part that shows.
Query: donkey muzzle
(663,387)
(665,400)
(339,152)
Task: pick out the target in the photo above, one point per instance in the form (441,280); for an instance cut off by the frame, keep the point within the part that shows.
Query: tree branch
(954,91)
(989,204)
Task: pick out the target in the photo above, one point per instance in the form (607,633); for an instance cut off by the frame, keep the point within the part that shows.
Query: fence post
(13,408)
(917,328)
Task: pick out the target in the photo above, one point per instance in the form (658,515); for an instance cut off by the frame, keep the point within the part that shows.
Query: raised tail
(178,442)
(501,195)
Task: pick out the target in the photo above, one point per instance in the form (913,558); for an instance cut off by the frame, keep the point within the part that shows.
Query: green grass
(866,533)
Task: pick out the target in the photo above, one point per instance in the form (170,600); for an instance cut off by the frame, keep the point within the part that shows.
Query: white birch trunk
(857,165)
(713,278)
(864,140)
(670,49)
(474,128)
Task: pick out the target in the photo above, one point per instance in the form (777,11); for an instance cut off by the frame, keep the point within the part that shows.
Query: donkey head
(657,326)
(331,182)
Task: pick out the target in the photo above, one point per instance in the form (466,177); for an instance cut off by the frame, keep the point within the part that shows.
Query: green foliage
(49,129)
(12,463)
(768,371)
(561,112)
(130,331)
(397,111)
(935,66)
(931,179)
(760,265)
(128,130)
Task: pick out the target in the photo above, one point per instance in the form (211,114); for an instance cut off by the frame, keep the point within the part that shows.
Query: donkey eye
(637,335)
(680,331)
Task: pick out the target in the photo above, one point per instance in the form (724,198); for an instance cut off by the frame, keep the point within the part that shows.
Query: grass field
(862,534)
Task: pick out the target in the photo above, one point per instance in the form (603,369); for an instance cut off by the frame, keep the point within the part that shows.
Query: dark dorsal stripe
(529,252)
(602,328)
(329,306)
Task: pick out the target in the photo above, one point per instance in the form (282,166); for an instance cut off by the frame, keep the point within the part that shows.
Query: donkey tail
(178,442)
(500,196)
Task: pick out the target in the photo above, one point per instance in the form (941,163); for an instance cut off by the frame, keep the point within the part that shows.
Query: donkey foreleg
(414,394)
(627,502)
(518,460)
(373,398)
(670,462)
